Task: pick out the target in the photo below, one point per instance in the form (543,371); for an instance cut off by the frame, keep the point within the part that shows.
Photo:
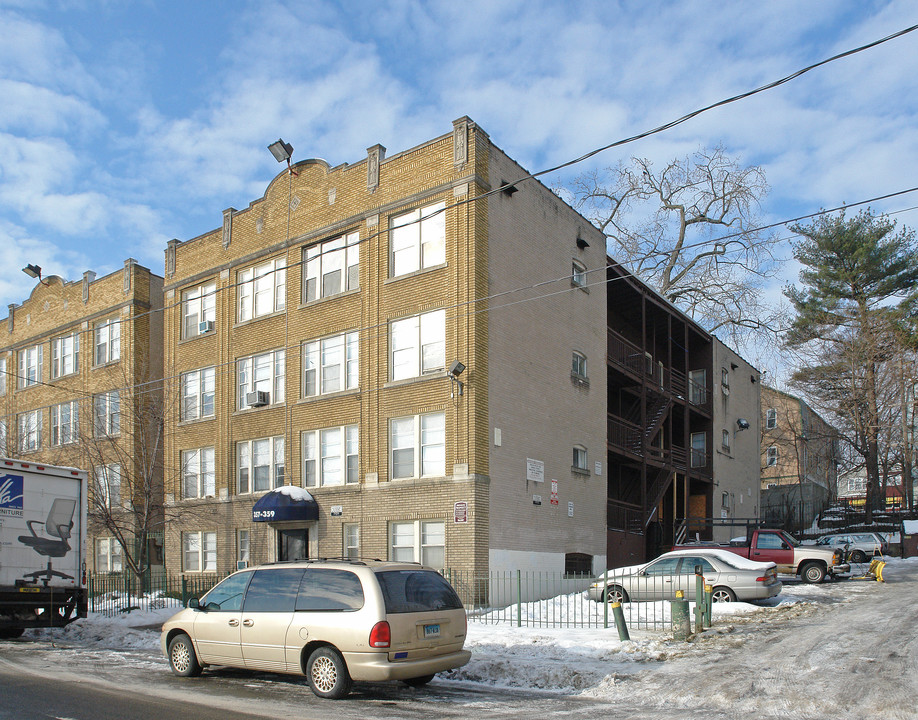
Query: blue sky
(124,124)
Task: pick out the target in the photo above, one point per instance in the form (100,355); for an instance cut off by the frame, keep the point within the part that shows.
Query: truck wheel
(813,573)
(182,659)
(11,633)
(327,673)
(723,594)
(616,593)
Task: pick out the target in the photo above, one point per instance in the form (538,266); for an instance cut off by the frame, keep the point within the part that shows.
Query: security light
(35,272)
(456,368)
(281,150)
(742,424)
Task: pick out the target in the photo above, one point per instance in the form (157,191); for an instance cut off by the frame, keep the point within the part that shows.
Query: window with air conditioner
(199,310)
(260,379)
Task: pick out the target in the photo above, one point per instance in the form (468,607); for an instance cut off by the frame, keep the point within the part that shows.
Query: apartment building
(81,385)
(799,452)
(403,357)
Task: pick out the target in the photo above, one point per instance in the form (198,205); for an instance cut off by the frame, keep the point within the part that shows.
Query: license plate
(432,631)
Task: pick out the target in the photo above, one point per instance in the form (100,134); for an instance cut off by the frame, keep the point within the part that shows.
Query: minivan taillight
(380,635)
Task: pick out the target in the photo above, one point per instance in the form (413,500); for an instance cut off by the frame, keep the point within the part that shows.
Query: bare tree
(689,230)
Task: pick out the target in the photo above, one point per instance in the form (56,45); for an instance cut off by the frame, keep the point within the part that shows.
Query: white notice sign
(535,470)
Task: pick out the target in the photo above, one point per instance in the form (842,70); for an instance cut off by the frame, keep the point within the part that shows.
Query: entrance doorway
(293,544)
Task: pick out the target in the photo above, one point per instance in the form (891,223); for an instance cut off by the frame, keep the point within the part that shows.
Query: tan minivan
(334,621)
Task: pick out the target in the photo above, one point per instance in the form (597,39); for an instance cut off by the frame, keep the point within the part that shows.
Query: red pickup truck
(812,563)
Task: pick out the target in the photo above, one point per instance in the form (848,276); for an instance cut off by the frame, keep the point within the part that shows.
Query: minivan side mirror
(194,604)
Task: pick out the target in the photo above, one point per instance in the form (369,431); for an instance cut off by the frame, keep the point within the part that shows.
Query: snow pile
(558,659)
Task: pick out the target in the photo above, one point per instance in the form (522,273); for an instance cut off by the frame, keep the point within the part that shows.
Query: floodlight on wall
(456,369)
(741,424)
(35,272)
(282,151)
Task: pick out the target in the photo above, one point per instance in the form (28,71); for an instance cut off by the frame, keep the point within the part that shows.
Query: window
(4,438)
(242,549)
(699,450)
(330,365)
(65,355)
(698,387)
(29,430)
(771,456)
(261,290)
(107,341)
(227,596)
(580,459)
(725,440)
(771,419)
(259,464)
(725,500)
(198,394)
(198,478)
(330,456)
(578,564)
(331,267)
(108,485)
(199,305)
(330,590)
(418,446)
(108,555)
(273,590)
(263,373)
(417,240)
(107,413)
(64,423)
(4,375)
(725,381)
(351,541)
(578,274)
(199,553)
(30,366)
(579,365)
(422,541)
(417,345)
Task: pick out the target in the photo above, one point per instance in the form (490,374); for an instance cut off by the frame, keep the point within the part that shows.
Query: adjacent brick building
(81,385)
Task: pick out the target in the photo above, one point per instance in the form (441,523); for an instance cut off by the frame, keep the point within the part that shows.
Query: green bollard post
(699,599)
(708,606)
(619,616)
(682,627)
(605,605)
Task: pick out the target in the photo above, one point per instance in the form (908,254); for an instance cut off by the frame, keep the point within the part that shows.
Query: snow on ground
(566,660)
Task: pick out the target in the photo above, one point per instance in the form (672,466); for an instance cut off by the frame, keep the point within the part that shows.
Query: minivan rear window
(406,591)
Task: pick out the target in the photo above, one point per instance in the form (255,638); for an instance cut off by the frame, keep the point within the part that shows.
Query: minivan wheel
(327,673)
(182,659)
(418,681)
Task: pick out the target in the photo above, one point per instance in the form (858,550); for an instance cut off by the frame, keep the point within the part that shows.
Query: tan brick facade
(131,299)
(502,243)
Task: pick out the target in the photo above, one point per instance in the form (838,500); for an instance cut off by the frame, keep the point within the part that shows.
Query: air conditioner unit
(258,398)
(725,389)
(205,326)
(242,564)
(771,486)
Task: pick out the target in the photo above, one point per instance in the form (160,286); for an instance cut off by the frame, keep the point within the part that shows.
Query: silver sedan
(732,578)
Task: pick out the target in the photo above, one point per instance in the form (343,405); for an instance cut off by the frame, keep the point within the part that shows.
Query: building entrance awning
(285,504)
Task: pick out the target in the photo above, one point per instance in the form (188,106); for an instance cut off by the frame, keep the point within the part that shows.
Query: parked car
(332,621)
(859,546)
(731,576)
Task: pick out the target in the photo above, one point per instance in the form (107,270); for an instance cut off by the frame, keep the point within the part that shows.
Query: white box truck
(42,546)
